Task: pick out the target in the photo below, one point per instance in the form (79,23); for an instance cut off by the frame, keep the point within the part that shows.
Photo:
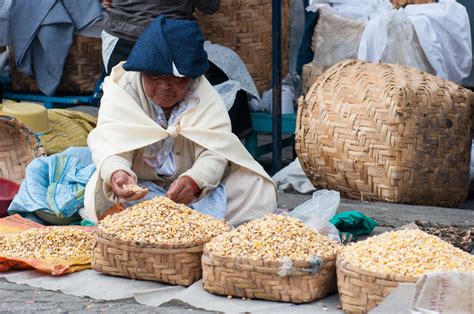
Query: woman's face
(166,90)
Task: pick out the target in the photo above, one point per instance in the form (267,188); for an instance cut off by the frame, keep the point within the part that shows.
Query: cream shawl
(123,126)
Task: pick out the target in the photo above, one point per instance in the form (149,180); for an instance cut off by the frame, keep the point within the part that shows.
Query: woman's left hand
(182,190)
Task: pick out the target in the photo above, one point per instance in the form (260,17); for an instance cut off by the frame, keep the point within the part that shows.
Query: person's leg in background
(305,53)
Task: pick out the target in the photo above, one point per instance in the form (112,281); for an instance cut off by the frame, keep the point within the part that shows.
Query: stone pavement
(16,298)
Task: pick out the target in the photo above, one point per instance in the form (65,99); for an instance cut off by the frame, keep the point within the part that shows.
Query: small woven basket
(360,290)
(385,132)
(82,68)
(260,280)
(245,26)
(18,146)
(173,264)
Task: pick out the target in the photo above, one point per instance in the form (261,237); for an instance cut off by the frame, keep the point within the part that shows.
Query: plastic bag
(289,86)
(317,212)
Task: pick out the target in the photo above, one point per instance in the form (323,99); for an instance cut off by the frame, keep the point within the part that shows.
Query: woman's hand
(183,190)
(119,180)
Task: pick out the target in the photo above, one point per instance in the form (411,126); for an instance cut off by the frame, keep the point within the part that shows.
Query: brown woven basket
(401,3)
(360,290)
(18,146)
(82,68)
(311,72)
(174,264)
(246,27)
(260,280)
(386,132)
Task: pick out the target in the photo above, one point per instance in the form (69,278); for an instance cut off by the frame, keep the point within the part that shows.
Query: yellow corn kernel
(161,220)
(62,242)
(273,237)
(407,252)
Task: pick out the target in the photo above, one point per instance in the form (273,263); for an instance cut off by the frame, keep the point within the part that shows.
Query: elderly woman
(163,126)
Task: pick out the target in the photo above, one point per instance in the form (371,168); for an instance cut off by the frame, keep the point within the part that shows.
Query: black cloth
(239,113)
(127,19)
(120,53)
(305,53)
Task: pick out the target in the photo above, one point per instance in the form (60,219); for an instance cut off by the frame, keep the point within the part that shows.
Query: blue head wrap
(167,42)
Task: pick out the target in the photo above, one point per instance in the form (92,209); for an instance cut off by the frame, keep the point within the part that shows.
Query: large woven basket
(18,146)
(386,132)
(260,280)
(82,68)
(246,27)
(177,265)
(360,290)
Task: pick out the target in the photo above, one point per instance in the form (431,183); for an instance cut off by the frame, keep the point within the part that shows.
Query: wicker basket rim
(385,276)
(248,261)
(141,245)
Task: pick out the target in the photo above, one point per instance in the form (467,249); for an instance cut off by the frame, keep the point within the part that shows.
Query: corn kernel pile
(46,242)
(135,188)
(407,252)
(161,220)
(273,237)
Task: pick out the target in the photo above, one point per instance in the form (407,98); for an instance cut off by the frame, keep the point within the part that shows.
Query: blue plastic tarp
(55,184)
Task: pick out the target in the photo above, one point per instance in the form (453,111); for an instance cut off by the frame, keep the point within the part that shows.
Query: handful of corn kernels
(48,242)
(273,237)
(407,252)
(163,221)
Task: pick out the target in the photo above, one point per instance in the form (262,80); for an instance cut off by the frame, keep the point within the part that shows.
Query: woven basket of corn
(18,146)
(369,270)
(386,132)
(274,258)
(156,240)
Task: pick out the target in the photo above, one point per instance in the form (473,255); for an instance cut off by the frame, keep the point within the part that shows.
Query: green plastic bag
(353,222)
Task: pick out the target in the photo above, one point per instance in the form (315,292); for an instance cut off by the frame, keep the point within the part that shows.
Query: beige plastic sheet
(91,284)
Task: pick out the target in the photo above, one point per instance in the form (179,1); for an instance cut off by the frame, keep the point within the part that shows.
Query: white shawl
(123,126)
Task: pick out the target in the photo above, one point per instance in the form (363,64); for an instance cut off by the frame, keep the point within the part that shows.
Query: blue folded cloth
(55,184)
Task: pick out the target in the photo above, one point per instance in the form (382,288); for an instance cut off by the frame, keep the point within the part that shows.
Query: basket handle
(286,268)
(314,265)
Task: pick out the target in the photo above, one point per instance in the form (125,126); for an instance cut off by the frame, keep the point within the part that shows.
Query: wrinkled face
(166,90)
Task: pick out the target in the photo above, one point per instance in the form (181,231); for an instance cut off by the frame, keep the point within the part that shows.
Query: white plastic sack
(443,32)
(288,86)
(403,46)
(293,179)
(392,39)
(336,38)
(317,212)
(358,10)
(286,100)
